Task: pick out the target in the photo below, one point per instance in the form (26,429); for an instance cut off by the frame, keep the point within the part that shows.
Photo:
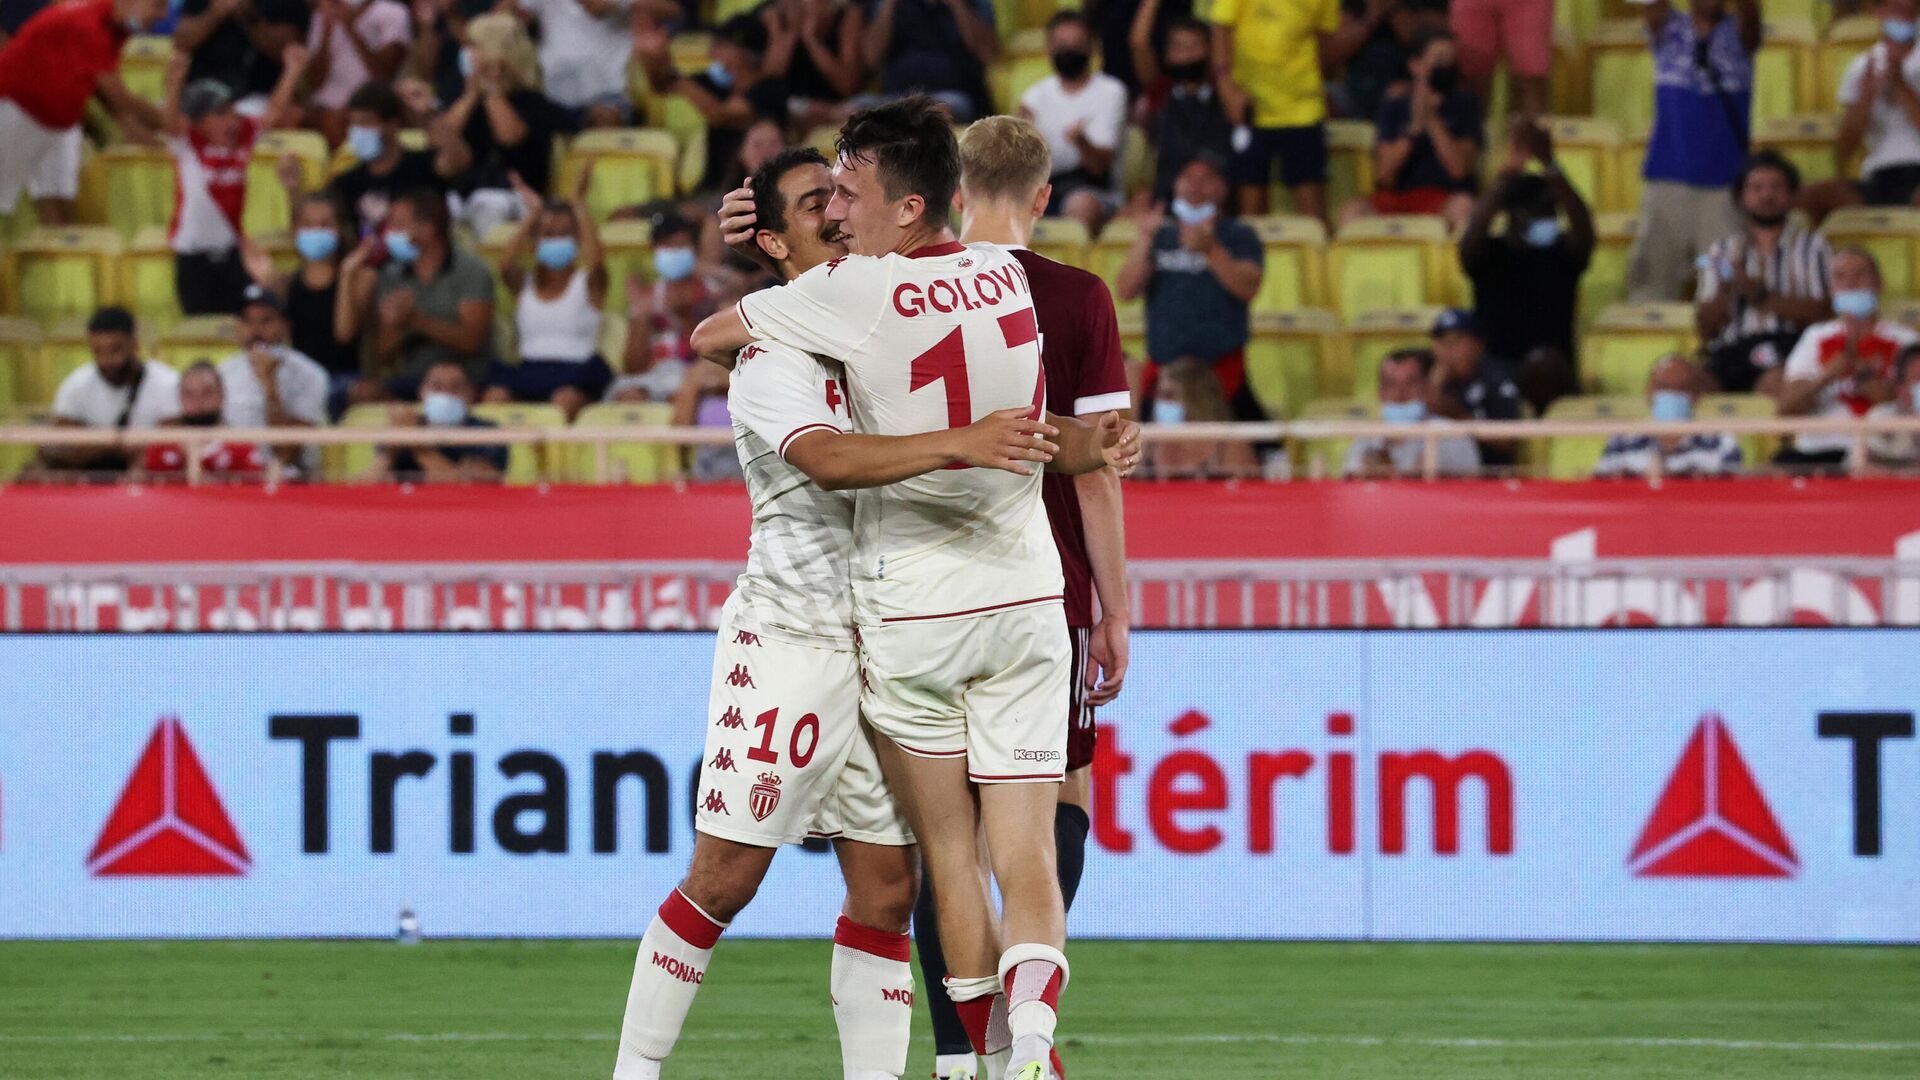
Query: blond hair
(502,37)
(1003,157)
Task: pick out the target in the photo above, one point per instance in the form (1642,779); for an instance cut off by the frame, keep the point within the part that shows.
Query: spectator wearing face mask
(661,316)
(1082,114)
(558,311)
(352,42)
(1899,449)
(735,91)
(1526,282)
(1427,141)
(446,401)
(1762,286)
(1673,389)
(1468,384)
(309,295)
(1199,272)
(505,120)
(1188,391)
(202,404)
(1843,367)
(1404,381)
(387,170)
(1180,109)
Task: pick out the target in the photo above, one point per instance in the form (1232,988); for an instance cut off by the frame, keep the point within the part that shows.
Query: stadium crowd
(453,257)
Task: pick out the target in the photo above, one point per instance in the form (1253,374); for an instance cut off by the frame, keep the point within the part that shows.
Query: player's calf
(872,976)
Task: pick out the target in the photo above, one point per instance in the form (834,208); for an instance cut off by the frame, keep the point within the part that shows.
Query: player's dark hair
(911,142)
(379,99)
(1069,16)
(769,205)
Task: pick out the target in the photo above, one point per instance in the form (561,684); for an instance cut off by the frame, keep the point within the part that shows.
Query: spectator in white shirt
(1899,449)
(1673,389)
(118,390)
(584,49)
(1880,95)
(1843,367)
(557,307)
(353,42)
(268,383)
(1082,114)
(1405,385)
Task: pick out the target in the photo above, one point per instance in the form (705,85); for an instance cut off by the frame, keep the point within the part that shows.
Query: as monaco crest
(764,796)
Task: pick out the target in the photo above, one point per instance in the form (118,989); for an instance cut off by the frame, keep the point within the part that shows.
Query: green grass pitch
(1167,1011)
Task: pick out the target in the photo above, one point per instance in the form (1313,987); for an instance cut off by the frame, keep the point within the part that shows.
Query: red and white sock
(973,1000)
(872,1000)
(667,974)
(1033,976)
(999,1039)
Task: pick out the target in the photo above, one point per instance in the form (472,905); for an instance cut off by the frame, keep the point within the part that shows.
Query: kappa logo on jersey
(834,264)
(731,719)
(169,821)
(1712,819)
(749,353)
(765,796)
(715,804)
(722,761)
(744,638)
(740,677)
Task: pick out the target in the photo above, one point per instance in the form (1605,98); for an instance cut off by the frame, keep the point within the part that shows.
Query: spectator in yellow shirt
(1270,55)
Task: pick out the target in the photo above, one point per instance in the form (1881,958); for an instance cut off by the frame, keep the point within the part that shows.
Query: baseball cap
(203,97)
(260,294)
(1456,319)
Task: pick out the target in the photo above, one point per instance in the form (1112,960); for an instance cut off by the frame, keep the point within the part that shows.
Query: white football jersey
(796,585)
(930,341)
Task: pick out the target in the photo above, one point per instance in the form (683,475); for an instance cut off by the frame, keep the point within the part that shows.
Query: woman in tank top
(310,290)
(557,305)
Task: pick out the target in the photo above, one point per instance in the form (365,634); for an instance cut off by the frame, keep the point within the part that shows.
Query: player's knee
(884,899)
(723,880)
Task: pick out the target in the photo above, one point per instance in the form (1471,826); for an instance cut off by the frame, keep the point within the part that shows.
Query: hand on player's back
(1005,440)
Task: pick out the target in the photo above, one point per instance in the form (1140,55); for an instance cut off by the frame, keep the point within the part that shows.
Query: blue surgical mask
(443,410)
(1193,213)
(465,63)
(1403,412)
(1169,412)
(1856,303)
(1898,31)
(673,264)
(364,142)
(556,252)
(316,244)
(400,245)
(1542,232)
(719,76)
(1671,405)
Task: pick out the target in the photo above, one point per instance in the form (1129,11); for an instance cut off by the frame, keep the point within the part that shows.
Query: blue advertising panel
(1585,785)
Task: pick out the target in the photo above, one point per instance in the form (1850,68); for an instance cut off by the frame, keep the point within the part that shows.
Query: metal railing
(192,440)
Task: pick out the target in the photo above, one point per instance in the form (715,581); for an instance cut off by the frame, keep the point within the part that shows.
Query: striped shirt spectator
(1794,266)
(1689,455)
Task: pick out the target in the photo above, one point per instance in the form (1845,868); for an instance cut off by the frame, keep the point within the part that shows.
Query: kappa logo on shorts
(715,804)
(744,638)
(740,677)
(1036,755)
(731,719)
(723,761)
(764,796)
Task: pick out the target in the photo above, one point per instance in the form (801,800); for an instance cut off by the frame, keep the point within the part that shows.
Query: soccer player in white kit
(957,584)
(786,755)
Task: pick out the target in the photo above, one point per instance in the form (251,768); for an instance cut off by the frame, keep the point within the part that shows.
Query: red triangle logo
(169,821)
(1712,820)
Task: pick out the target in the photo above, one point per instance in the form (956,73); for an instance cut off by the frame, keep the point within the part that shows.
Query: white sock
(872,1000)
(945,1065)
(668,972)
(997,1063)
(1033,975)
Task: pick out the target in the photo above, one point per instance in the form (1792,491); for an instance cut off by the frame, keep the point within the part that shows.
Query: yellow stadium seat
(16,456)
(63,271)
(348,462)
(19,361)
(1379,263)
(147,280)
(1109,254)
(1633,155)
(1349,160)
(1370,337)
(1890,232)
(1133,334)
(1622,75)
(1569,82)
(63,351)
(1627,340)
(1324,457)
(1807,141)
(129,188)
(1064,240)
(1902,311)
(525,463)
(1579,16)
(1588,152)
(1286,355)
(1022,63)
(627,462)
(1846,39)
(629,253)
(1754,448)
(1605,282)
(267,209)
(143,65)
(1783,70)
(677,115)
(630,166)
(1815,13)
(1296,273)
(1137,162)
(692,51)
(212,338)
(1573,457)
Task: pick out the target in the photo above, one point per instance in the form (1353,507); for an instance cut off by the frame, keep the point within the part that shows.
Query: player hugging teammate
(911,372)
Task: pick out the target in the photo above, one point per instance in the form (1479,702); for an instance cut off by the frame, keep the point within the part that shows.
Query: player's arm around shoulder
(1009,440)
